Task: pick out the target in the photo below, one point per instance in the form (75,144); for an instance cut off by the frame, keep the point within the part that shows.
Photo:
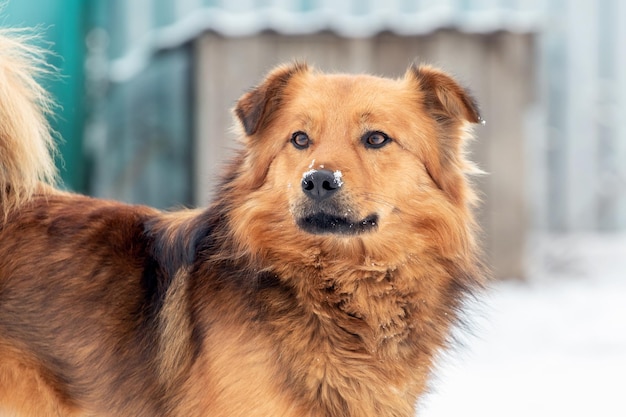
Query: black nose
(320,184)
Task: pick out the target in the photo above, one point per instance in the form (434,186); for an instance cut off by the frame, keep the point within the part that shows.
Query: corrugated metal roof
(354,18)
(154,30)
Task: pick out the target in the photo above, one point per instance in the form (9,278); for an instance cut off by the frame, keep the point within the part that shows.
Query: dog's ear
(255,108)
(443,97)
(451,106)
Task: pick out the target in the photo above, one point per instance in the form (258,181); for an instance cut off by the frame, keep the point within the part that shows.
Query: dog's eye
(375,140)
(300,140)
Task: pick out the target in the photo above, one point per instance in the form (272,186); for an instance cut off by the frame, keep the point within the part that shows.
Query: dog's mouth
(324,223)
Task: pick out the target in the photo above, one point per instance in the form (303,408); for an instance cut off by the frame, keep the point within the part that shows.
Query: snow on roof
(346,18)
(369,22)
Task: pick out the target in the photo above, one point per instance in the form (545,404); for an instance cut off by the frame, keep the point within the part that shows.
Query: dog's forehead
(348,85)
(326,94)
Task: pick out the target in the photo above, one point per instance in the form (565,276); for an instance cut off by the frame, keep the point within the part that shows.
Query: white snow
(308,173)
(338,178)
(552,346)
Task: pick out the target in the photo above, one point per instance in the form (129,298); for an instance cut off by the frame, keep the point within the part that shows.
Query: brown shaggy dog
(322,281)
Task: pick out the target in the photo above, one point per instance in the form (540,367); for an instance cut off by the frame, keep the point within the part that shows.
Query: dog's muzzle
(324,212)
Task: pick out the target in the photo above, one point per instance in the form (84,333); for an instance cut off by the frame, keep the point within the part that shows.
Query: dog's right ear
(255,108)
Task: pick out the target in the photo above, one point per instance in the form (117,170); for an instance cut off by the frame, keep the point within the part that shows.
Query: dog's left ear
(444,98)
(450,106)
(255,108)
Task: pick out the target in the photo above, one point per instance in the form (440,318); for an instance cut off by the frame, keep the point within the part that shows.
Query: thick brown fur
(267,303)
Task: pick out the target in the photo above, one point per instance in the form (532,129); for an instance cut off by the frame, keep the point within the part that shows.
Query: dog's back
(74,307)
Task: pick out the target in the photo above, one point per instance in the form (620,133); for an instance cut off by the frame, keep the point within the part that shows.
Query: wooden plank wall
(498,68)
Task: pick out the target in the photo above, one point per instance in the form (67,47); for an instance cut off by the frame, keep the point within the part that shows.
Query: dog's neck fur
(371,305)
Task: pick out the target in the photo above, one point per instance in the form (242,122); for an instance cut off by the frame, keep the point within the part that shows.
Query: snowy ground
(554,346)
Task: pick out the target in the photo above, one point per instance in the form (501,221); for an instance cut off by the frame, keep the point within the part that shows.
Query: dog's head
(353,160)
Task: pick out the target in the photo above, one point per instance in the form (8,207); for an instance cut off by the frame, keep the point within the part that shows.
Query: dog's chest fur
(342,347)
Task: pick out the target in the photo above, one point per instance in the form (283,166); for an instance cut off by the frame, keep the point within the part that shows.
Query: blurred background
(146,95)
